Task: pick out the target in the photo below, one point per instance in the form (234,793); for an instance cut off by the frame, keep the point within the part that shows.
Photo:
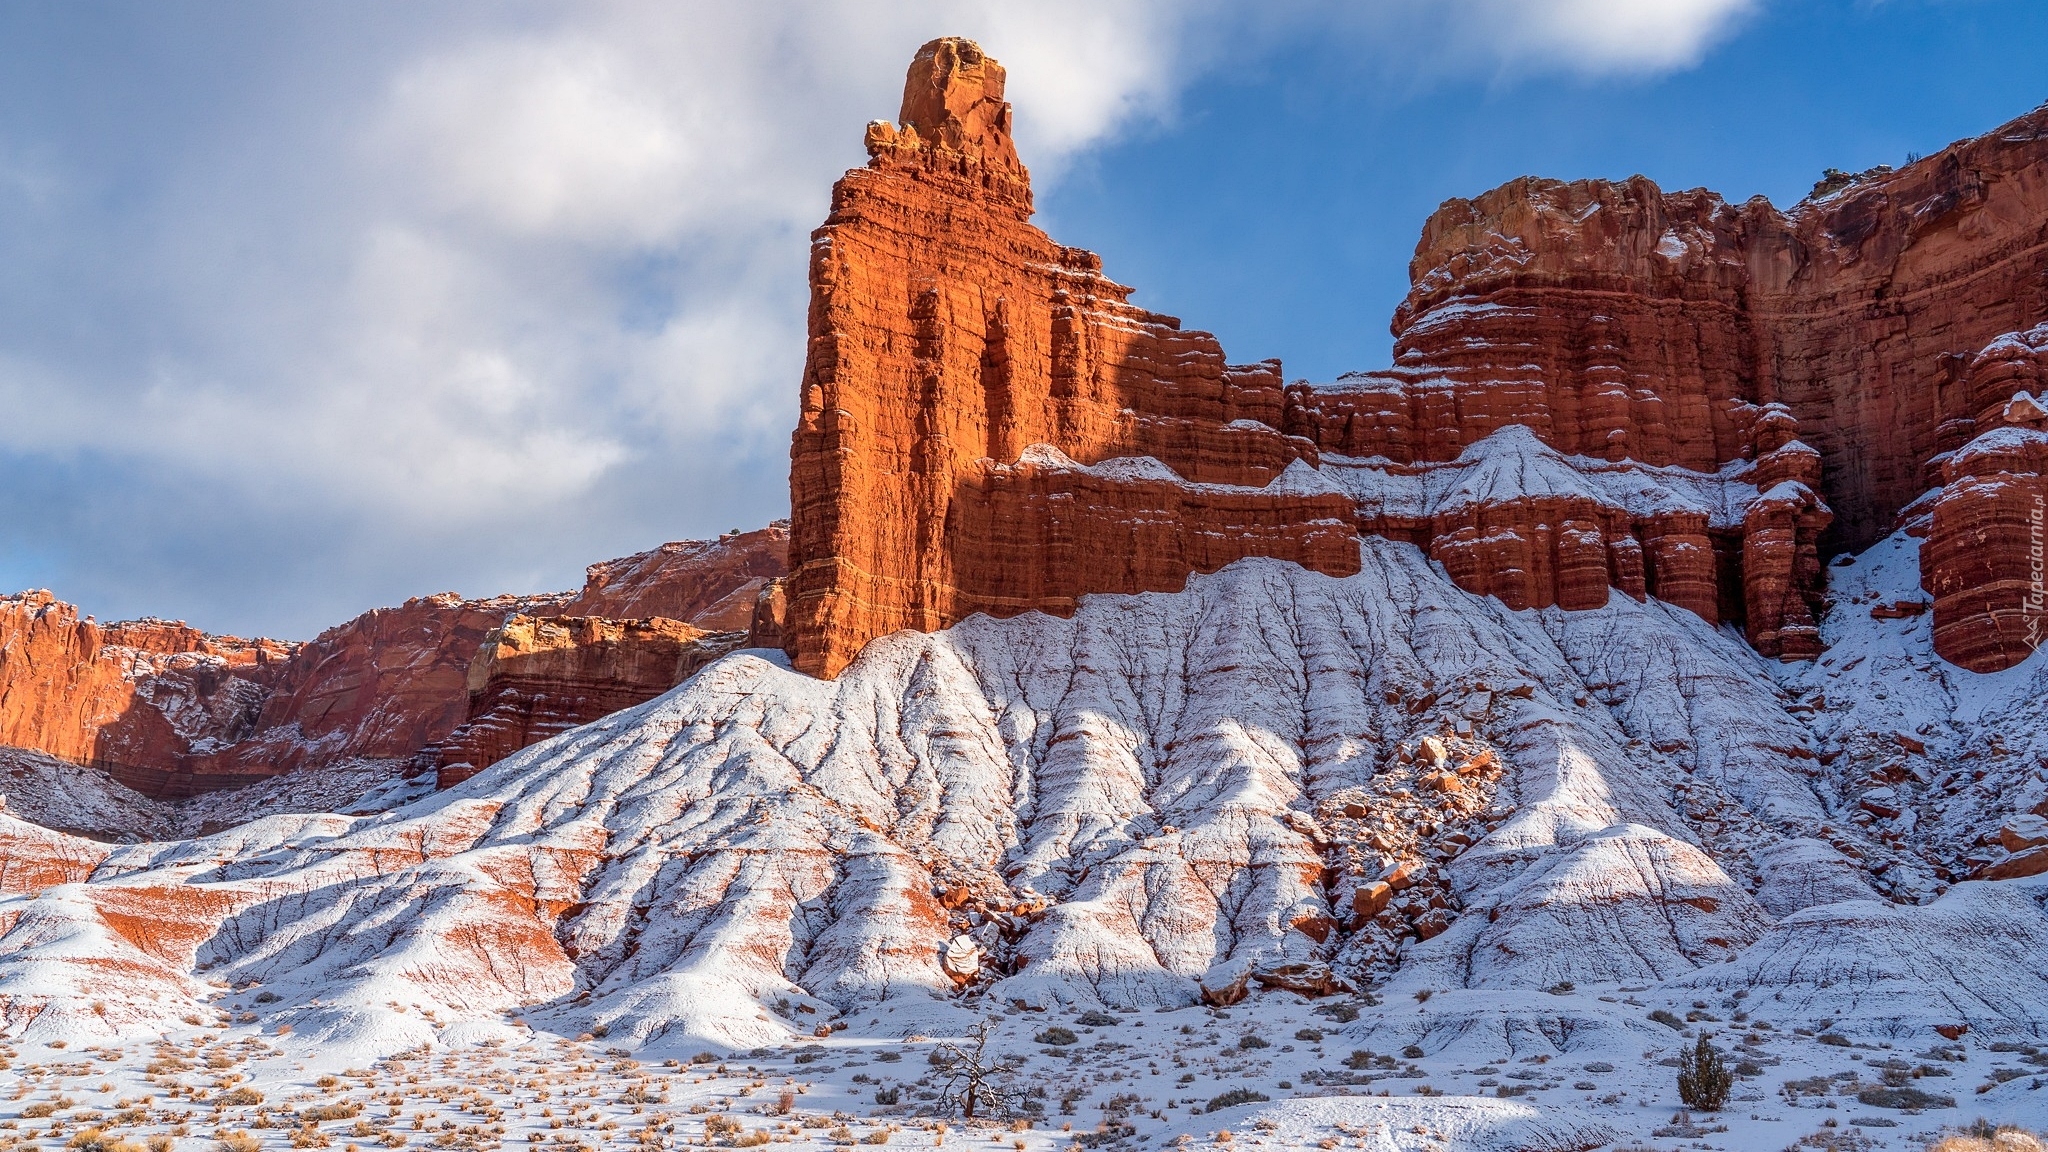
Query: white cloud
(1610,35)
(544,264)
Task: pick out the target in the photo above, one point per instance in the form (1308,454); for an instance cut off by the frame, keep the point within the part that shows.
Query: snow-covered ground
(1462,1069)
(1292,836)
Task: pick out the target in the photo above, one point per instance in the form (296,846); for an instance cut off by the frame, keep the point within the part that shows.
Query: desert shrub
(1095,1018)
(888,1057)
(1308,1034)
(309,1137)
(1250,1042)
(1903,1098)
(719,1124)
(235,1142)
(98,1140)
(1983,1137)
(1359,1060)
(1664,1017)
(1833,1039)
(809,1057)
(38,1110)
(1057,1037)
(888,1095)
(878,1136)
(241,1097)
(1341,1013)
(160,1142)
(1237,1096)
(754,1139)
(1412,1052)
(336,1111)
(1703,1078)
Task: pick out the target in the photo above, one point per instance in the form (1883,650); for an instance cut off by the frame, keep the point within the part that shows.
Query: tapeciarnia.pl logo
(2037,593)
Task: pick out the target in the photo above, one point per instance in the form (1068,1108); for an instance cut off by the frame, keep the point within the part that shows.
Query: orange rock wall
(380,687)
(710,583)
(537,677)
(945,329)
(1039,534)
(135,698)
(1982,560)
(172,711)
(1618,320)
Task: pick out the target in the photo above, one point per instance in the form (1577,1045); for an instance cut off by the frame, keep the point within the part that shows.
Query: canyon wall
(172,711)
(1789,381)
(1887,318)
(137,698)
(1621,324)
(1617,319)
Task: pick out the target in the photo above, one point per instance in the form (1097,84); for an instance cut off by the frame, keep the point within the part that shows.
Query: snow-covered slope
(1271,786)
(1139,806)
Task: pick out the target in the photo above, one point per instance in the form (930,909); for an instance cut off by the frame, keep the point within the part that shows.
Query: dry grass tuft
(1984,1138)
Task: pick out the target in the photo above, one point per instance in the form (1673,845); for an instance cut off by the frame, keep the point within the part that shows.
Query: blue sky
(308,308)
(1279,204)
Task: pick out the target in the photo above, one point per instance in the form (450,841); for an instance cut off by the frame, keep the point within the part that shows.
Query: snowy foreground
(1147,1078)
(1281,860)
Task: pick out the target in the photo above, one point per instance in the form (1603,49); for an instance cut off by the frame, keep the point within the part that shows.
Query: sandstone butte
(171,711)
(1787,383)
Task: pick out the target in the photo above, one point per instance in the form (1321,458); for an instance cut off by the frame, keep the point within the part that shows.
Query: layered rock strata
(1986,542)
(946,331)
(1621,325)
(1514,518)
(1616,320)
(537,677)
(710,583)
(142,699)
(379,687)
(171,711)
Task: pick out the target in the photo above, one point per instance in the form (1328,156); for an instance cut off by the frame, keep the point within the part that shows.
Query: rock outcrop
(536,677)
(1617,319)
(1983,559)
(171,711)
(380,687)
(1793,363)
(146,700)
(947,337)
(710,583)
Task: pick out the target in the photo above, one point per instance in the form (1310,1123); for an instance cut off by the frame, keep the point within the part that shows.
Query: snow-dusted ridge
(1165,798)
(1514,464)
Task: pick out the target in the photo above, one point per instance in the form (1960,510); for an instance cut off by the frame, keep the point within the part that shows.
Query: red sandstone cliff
(1616,320)
(928,284)
(138,698)
(1622,325)
(712,584)
(533,678)
(1987,526)
(380,687)
(172,711)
